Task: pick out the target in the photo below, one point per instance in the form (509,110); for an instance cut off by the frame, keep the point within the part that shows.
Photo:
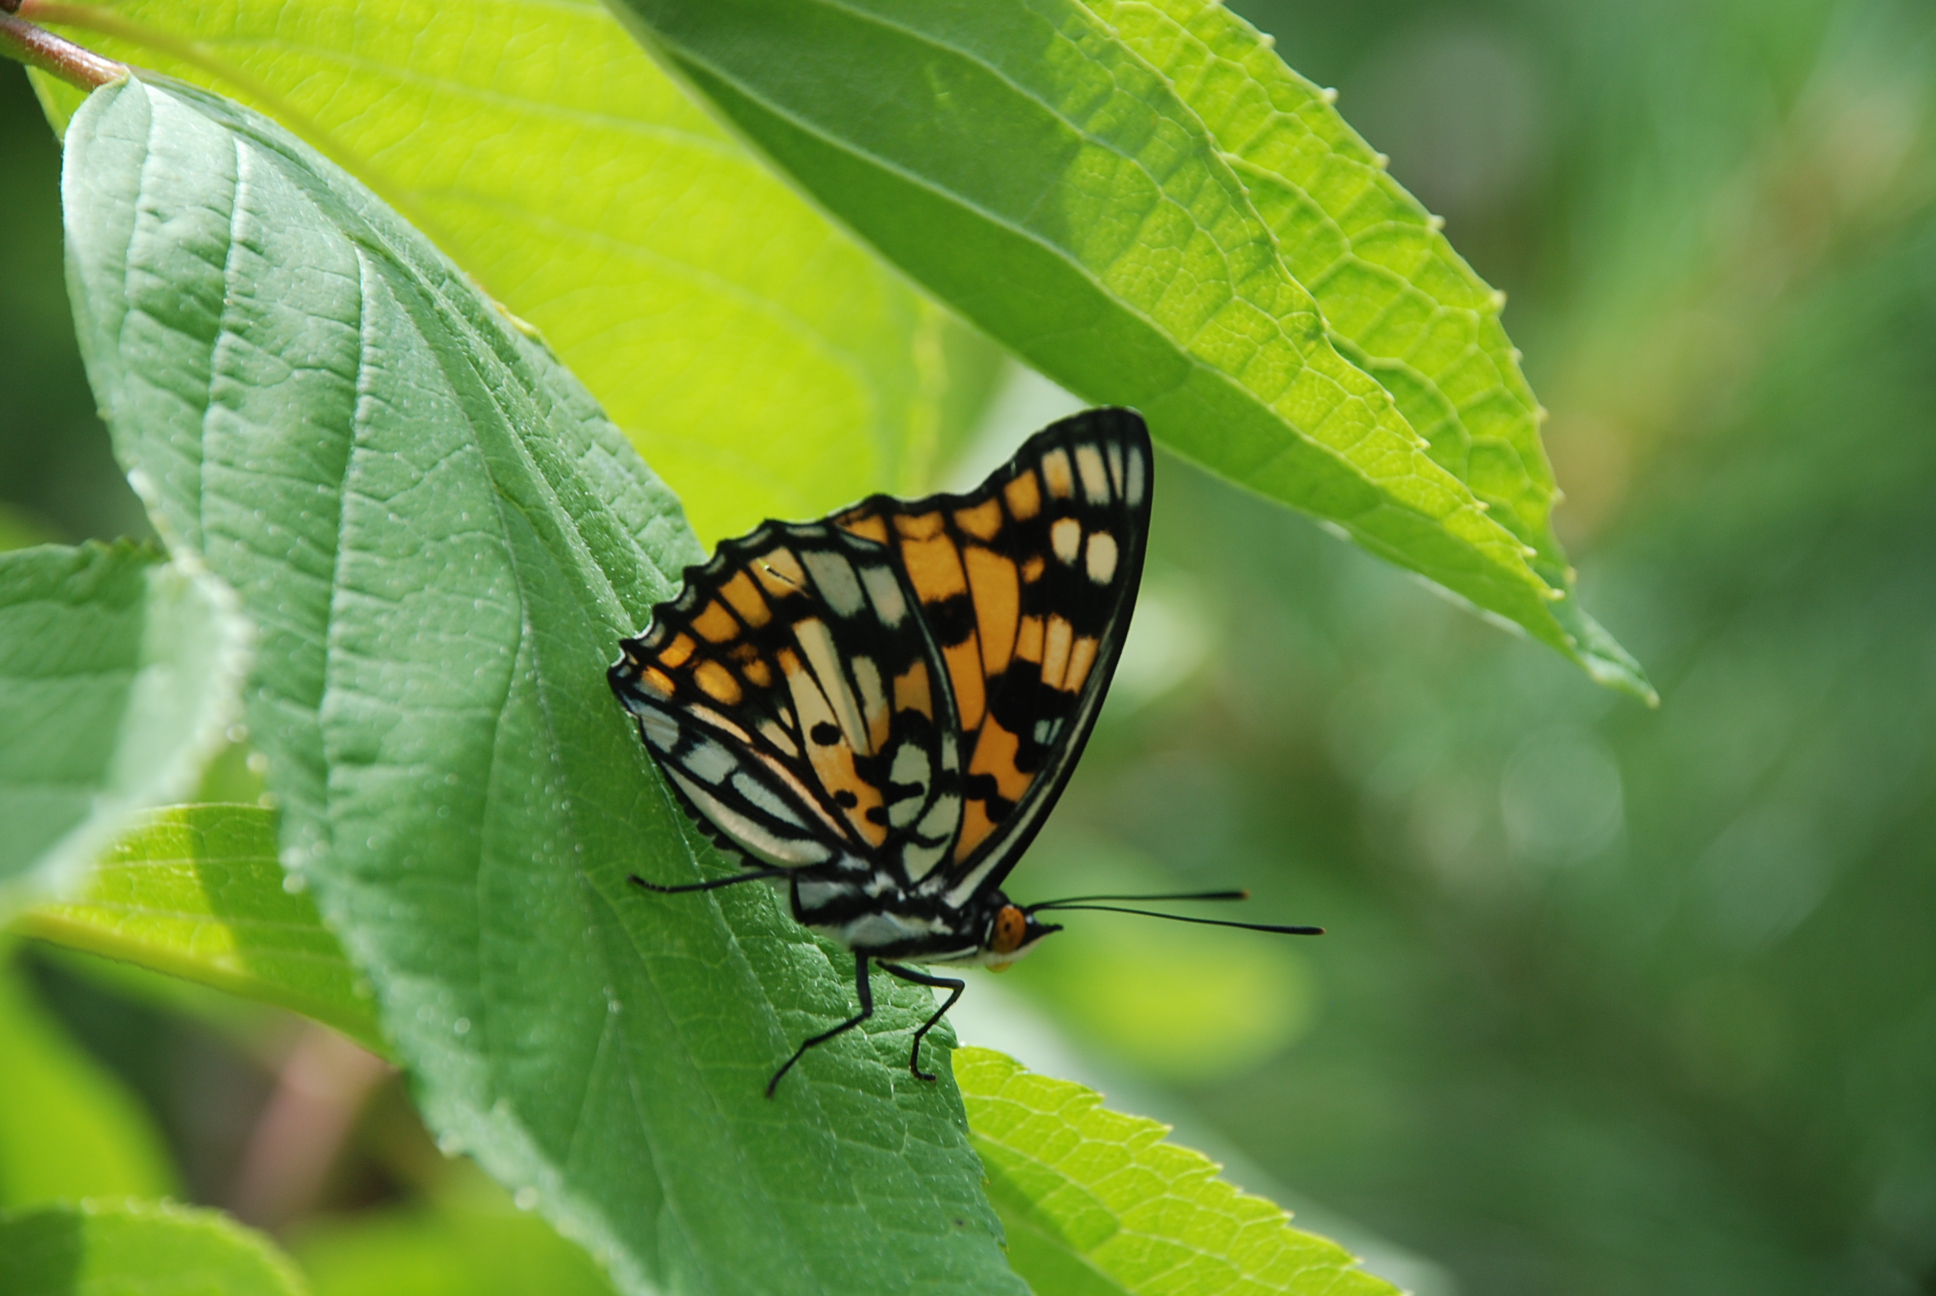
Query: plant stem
(37,47)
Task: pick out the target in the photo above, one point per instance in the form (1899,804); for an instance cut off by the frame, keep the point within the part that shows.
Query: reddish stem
(37,47)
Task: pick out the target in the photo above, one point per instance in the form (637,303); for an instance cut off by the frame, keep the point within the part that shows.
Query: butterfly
(880,708)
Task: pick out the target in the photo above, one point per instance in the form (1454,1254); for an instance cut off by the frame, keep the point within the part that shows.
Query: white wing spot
(762,796)
(1095,478)
(1102,557)
(778,737)
(708,761)
(818,643)
(1133,487)
(834,577)
(910,766)
(1066,537)
(885,591)
(661,730)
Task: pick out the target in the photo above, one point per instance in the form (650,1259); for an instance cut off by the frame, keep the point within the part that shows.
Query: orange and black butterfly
(882,707)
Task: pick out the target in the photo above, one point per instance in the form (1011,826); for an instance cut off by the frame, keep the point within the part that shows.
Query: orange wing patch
(984,521)
(912,691)
(746,600)
(869,526)
(717,682)
(964,672)
(933,567)
(998,605)
(1024,496)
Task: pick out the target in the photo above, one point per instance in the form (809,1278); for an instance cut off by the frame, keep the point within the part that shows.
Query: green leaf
(1029,163)
(197,891)
(450,1249)
(131,1248)
(1097,1204)
(68,1129)
(119,672)
(443,540)
(766,362)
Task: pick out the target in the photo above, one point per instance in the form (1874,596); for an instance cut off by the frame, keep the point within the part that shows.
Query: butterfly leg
(710,884)
(866,995)
(949,984)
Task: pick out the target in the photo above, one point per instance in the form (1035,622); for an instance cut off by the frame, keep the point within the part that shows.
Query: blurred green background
(1614,1001)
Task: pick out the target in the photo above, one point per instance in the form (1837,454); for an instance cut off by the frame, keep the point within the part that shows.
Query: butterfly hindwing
(1026,587)
(790,693)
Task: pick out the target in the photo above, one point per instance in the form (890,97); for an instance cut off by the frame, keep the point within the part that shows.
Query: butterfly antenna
(1207,922)
(1140,899)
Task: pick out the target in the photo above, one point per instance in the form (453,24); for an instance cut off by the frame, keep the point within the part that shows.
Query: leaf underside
(441,540)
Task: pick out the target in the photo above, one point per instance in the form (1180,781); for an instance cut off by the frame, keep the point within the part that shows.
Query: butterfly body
(881,707)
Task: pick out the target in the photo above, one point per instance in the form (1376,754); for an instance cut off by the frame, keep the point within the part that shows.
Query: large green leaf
(1097,1204)
(442,540)
(125,1248)
(197,891)
(766,362)
(119,672)
(68,1129)
(1067,177)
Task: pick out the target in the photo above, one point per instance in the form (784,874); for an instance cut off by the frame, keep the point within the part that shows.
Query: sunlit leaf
(1096,1202)
(1025,162)
(766,362)
(443,540)
(198,891)
(68,1129)
(115,1248)
(1399,302)
(119,673)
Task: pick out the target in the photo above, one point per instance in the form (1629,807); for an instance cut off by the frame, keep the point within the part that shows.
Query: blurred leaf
(1025,163)
(197,892)
(67,1128)
(18,529)
(444,541)
(102,1248)
(766,362)
(1097,1202)
(448,1250)
(1181,1002)
(118,676)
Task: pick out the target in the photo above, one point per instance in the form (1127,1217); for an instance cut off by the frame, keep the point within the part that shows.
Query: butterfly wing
(1026,586)
(789,692)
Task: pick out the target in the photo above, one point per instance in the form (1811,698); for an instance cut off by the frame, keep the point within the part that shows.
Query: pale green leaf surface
(134,1248)
(197,891)
(68,1128)
(763,360)
(1026,164)
(443,540)
(1097,1202)
(119,672)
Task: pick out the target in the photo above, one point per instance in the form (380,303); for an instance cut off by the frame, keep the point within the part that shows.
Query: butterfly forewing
(902,689)
(1026,588)
(790,693)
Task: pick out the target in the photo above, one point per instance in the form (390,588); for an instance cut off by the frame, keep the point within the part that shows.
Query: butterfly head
(1011,932)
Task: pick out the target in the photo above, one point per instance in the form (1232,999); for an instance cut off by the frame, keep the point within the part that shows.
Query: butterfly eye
(1011,925)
